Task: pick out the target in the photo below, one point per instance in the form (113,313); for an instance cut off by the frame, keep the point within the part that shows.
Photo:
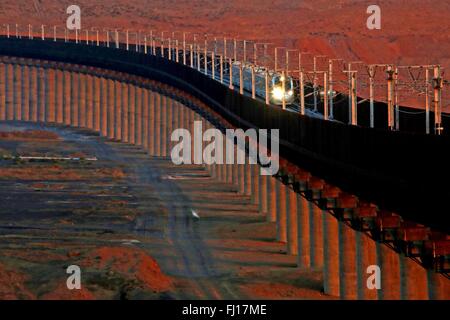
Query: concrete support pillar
(347,262)
(138,116)
(125,113)
(89,101)
(366,255)
(152,124)
(272,200)
(220,169)
(414,280)
(438,286)
(82,101)
(389,263)
(145,118)
(190,127)
(263,192)
(2,91)
(292,223)
(281,212)
(104,107)
(67,97)
(230,173)
(164,103)
(247,178)
(118,110)
(170,119)
(216,170)
(51,95)
(75,101)
(18,92)
(26,79)
(241,178)
(131,114)
(111,109)
(209,168)
(255,184)
(157,125)
(9,78)
(97,104)
(331,265)
(59,94)
(221,166)
(316,236)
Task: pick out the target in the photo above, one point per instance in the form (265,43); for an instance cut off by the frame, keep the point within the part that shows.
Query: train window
(277,81)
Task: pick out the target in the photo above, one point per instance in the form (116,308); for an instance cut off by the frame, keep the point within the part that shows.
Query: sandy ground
(130,229)
(413,31)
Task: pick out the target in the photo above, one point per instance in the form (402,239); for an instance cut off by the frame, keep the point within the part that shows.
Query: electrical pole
(221,69)
(191,55)
(283,89)
(315,80)
(194,53)
(371,94)
(302,84)
(245,51)
(241,79)
(152,43)
(427,101)
(325,96)
(315,83)
(253,82)
(145,44)
(205,56)
(330,86)
(354,100)
(213,64)
(397,107)
(231,74)
(184,47)
(330,78)
(169,49)
(437,100)
(390,83)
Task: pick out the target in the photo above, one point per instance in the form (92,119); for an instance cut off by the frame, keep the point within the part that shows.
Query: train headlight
(290,93)
(277,93)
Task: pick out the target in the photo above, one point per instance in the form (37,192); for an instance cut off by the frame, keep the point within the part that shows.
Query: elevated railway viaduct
(345,198)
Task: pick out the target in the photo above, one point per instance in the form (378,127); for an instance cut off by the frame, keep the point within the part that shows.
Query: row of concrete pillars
(136,115)
(321,242)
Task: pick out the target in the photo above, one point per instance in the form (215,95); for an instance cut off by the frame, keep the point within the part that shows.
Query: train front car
(275,83)
(282,86)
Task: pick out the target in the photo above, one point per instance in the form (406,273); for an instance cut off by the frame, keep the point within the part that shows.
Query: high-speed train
(275,83)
